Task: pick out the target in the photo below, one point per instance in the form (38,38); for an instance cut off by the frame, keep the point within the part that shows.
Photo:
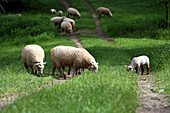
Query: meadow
(137,29)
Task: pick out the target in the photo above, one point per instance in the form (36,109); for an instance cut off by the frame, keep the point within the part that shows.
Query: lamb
(33,56)
(73,12)
(57,21)
(105,11)
(53,11)
(60,13)
(66,27)
(71,21)
(137,62)
(72,57)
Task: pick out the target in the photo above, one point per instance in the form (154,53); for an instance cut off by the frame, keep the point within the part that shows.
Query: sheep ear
(97,63)
(126,66)
(44,62)
(35,65)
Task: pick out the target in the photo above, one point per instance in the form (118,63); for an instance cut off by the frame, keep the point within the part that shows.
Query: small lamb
(71,21)
(73,12)
(137,62)
(105,11)
(33,56)
(53,11)
(60,13)
(57,21)
(66,27)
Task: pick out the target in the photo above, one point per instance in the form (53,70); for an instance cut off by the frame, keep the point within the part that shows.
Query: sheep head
(93,66)
(39,67)
(129,68)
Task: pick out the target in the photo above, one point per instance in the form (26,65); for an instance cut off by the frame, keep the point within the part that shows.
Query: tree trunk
(167,11)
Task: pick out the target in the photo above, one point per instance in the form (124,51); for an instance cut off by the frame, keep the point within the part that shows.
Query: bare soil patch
(151,101)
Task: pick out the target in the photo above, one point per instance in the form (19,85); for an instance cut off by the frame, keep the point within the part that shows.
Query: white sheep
(72,57)
(73,12)
(57,21)
(71,21)
(52,11)
(66,27)
(60,13)
(33,56)
(137,62)
(105,11)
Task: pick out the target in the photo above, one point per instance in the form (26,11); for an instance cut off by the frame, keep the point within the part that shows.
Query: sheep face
(93,66)
(129,68)
(110,14)
(39,67)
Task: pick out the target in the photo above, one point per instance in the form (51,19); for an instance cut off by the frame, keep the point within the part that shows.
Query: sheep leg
(26,66)
(142,69)
(54,68)
(75,71)
(69,71)
(59,69)
(147,69)
(79,71)
(137,69)
(63,67)
(32,70)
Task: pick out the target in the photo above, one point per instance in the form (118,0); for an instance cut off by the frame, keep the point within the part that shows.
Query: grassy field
(133,18)
(112,89)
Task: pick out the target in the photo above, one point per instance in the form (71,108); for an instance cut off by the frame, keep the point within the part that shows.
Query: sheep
(105,11)
(71,21)
(33,56)
(137,62)
(57,21)
(73,12)
(60,13)
(66,27)
(72,57)
(52,11)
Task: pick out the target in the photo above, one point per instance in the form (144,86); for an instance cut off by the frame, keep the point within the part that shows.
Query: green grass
(133,18)
(159,53)
(112,89)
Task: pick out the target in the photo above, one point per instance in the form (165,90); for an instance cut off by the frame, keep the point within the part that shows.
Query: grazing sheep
(60,13)
(105,11)
(71,21)
(73,12)
(57,21)
(137,62)
(66,27)
(72,57)
(33,56)
(53,11)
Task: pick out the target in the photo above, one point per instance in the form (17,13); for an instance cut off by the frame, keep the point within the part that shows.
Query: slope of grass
(133,18)
(112,89)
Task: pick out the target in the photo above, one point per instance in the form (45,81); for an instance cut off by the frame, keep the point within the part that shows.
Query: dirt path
(150,100)
(99,30)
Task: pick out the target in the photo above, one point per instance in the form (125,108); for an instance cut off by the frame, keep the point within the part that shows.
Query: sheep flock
(67,56)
